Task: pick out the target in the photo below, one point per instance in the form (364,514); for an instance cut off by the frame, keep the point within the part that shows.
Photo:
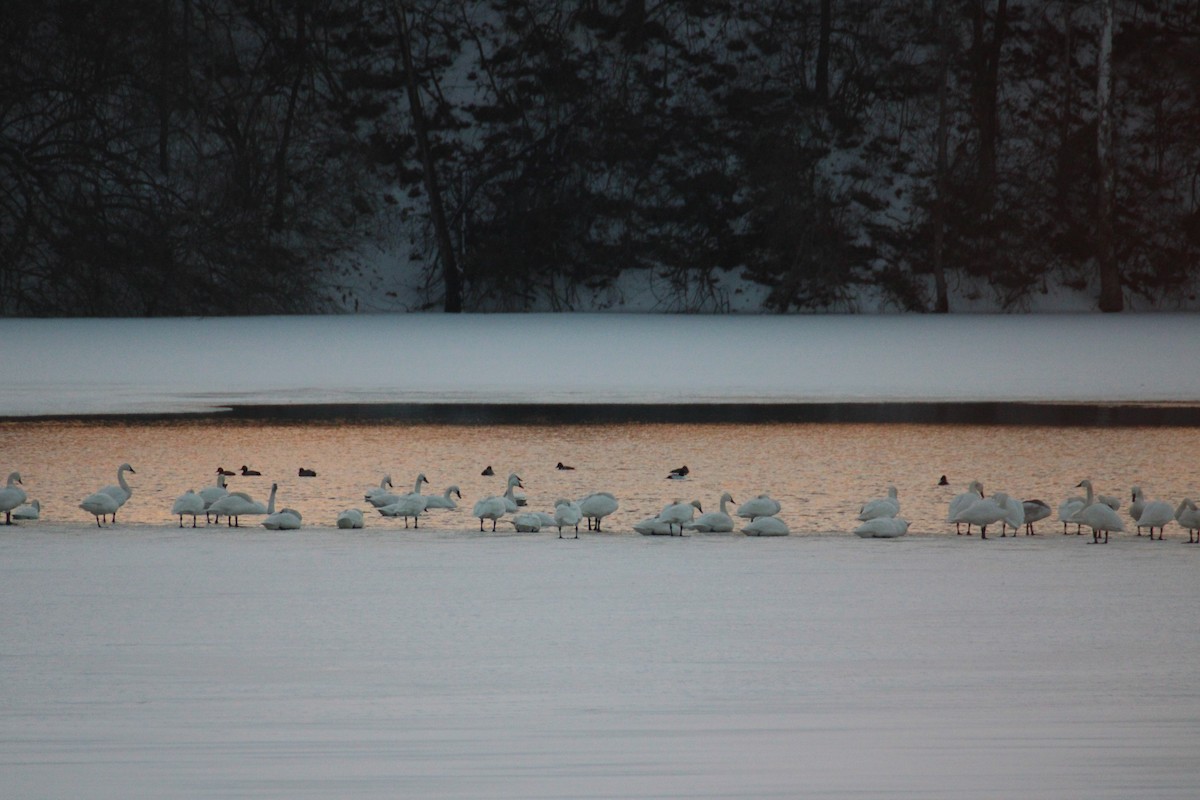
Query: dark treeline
(162,157)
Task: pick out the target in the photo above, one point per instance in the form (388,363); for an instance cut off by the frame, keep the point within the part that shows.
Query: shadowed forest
(169,157)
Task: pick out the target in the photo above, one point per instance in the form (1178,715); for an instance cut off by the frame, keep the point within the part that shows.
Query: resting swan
(596,506)
(30,511)
(444,500)
(188,503)
(881,507)
(567,514)
(761,506)
(714,521)
(285,519)
(766,526)
(883,528)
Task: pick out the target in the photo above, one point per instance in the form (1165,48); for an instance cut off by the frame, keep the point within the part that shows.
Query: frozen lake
(154,662)
(149,661)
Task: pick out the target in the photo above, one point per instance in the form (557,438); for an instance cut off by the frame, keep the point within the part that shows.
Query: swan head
(515,480)
(1136,492)
(126,468)
(422,479)
(1084,484)
(14,477)
(696,503)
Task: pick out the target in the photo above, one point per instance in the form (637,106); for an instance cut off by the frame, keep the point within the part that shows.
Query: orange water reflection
(821,473)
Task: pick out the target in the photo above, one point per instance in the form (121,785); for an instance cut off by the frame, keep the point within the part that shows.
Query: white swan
(530,521)
(382,488)
(188,503)
(511,501)
(1067,510)
(766,526)
(29,511)
(1135,507)
(596,506)
(881,507)
(983,512)
(100,505)
(211,494)
(761,506)
(1014,514)
(385,498)
(883,528)
(492,508)
(350,519)
(961,502)
(444,500)
(653,527)
(1035,511)
(285,519)
(678,513)
(1097,515)
(567,513)
(11,496)
(239,504)
(714,521)
(1156,514)
(1188,517)
(407,506)
(122,491)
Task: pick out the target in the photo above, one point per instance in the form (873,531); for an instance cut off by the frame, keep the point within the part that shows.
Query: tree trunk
(300,57)
(988,96)
(1111,298)
(451,279)
(822,77)
(942,303)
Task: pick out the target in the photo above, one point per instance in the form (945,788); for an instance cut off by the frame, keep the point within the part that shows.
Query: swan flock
(971,512)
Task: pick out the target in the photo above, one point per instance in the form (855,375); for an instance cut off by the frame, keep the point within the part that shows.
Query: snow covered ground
(154,662)
(85,366)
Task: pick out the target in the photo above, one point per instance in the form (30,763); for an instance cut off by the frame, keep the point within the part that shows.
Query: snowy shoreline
(88,367)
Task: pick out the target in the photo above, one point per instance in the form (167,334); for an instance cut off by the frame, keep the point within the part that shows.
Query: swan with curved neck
(714,521)
(122,491)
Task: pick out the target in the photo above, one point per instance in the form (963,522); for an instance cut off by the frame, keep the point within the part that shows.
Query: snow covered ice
(85,366)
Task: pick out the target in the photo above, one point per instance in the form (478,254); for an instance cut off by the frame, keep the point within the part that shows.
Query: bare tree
(451,279)
(1111,298)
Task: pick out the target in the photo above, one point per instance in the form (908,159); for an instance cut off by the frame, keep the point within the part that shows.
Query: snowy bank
(180,365)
